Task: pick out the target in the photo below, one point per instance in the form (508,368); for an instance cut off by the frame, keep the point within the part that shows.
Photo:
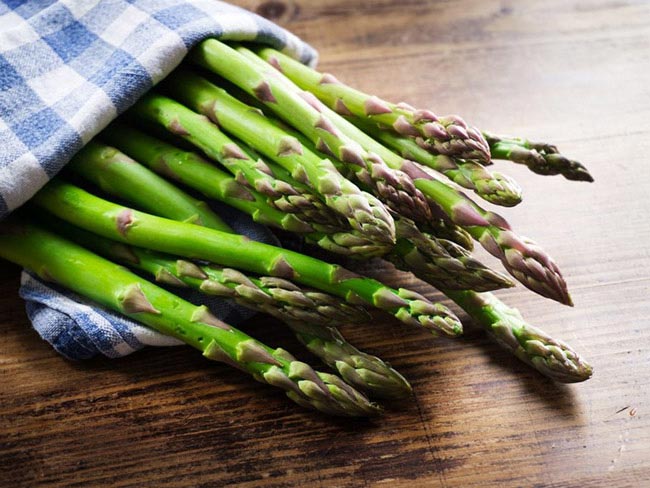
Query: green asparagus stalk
(119,175)
(363,371)
(493,187)
(362,211)
(312,315)
(71,266)
(440,262)
(449,135)
(394,187)
(540,157)
(523,258)
(429,258)
(192,170)
(280,298)
(255,174)
(123,224)
(416,252)
(549,356)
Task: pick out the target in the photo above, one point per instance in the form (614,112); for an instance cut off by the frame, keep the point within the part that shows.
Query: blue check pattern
(69,67)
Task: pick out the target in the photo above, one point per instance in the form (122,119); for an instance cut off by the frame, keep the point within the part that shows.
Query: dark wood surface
(573,72)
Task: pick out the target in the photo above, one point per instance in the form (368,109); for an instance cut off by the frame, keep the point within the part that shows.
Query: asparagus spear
(363,371)
(256,174)
(423,254)
(362,211)
(312,315)
(440,262)
(429,258)
(440,135)
(59,260)
(123,224)
(540,157)
(493,187)
(549,356)
(194,171)
(394,187)
(524,259)
(119,175)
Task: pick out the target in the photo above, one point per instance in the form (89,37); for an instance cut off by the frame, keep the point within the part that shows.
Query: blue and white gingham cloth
(69,67)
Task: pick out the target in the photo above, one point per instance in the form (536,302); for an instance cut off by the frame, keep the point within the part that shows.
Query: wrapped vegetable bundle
(301,152)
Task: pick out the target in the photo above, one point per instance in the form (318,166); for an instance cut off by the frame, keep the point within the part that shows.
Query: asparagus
(312,315)
(429,258)
(123,224)
(440,262)
(549,356)
(362,211)
(440,135)
(540,157)
(493,187)
(280,298)
(192,170)
(119,175)
(394,187)
(256,174)
(523,258)
(71,266)
(423,254)
(363,371)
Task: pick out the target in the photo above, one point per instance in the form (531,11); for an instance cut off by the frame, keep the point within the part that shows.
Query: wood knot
(273,10)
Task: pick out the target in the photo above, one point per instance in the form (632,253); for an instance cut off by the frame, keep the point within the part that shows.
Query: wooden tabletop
(574,72)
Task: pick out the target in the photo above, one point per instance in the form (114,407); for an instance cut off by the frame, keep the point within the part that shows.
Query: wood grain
(574,72)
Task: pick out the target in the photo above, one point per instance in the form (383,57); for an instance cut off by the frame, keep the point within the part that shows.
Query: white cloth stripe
(21,179)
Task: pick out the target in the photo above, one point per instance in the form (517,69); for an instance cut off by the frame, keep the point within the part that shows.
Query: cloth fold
(67,69)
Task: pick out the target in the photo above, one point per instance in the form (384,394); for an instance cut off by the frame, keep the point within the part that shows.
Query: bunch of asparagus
(299,151)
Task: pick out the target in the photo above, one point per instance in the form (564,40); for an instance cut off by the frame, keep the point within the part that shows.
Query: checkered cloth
(69,67)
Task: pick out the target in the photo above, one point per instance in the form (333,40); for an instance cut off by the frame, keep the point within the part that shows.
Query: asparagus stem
(493,187)
(255,174)
(540,157)
(117,174)
(440,135)
(523,258)
(362,211)
(394,187)
(429,258)
(441,262)
(363,371)
(278,297)
(71,266)
(275,296)
(549,356)
(193,171)
(123,224)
